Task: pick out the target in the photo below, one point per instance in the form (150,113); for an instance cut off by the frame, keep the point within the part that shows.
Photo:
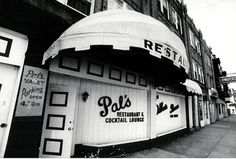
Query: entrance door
(58,125)
(7,84)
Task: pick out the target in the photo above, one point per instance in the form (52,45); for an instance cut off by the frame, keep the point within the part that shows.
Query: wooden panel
(98,71)
(52,146)
(56,122)
(169,113)
(95,69)
(5,46)
(8,91)
(98,119)
(115,74)
(58,99)
(70,63)
(60,122)
(13,46)
(130,78)
(142,81)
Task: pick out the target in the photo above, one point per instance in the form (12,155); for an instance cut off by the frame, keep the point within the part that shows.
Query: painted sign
(170,112)
(162,107)
(162,49)
(115,107)
(111,114)
(32,92)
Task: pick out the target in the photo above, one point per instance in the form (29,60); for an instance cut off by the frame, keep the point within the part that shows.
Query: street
(217,140)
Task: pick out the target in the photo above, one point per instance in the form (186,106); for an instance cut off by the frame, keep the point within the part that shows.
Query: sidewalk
(217,140)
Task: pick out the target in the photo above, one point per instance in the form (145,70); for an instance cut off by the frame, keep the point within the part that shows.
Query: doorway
(58,125)
(8,76)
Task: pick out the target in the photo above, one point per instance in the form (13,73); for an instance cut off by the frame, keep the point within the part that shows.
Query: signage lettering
(106,102)
(165,50)
(173,108)
(122,117)
(161,107)
(32,92)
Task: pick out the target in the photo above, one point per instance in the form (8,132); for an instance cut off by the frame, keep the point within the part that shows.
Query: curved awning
(192,87)
(122,29)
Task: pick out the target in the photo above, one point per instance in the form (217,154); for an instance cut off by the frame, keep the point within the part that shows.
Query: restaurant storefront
(107,84)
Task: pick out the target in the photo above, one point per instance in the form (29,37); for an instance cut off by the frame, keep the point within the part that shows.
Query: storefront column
(152,127)
(196,116)
(190,112)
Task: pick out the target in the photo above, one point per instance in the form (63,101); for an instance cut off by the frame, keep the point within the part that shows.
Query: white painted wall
(10,70)
(92,128)
(164,123)
(18,48)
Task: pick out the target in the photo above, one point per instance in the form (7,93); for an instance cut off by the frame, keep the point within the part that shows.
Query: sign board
(111,114)
(32,92)
(170,113)
(228,79)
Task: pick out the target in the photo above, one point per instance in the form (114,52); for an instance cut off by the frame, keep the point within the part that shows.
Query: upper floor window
(173,17)
(208,61)
(195,71)
(179,24)
(159,5)
(191,37)
(118,4)
(165,8)
(200,74)
(176,20)
(83,6)
(197,46)
(194,42)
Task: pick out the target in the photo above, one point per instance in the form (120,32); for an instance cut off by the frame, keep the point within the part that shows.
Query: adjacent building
(221,88)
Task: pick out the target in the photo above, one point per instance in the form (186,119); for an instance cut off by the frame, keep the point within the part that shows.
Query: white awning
(122,29)
(192,87)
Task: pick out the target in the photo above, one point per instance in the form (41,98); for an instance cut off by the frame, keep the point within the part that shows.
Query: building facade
(221,88)
(94,85)
(209,82)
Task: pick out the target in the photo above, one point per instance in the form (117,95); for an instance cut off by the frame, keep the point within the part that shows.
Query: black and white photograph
(118,79)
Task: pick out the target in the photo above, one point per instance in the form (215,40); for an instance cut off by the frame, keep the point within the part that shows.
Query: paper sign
(32,92)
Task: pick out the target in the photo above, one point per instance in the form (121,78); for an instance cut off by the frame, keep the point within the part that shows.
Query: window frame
(179,27)
(195,70)
(91,9)
(191,38)
(173,17)
(167,16)
(197,45)
(124,5)
(8,46)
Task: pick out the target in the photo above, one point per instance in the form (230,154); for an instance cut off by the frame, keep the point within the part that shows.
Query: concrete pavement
(217,140)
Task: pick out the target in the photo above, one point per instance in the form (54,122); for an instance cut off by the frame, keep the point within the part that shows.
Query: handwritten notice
(32,92)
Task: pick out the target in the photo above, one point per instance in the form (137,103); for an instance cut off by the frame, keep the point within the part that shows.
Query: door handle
(3,125)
